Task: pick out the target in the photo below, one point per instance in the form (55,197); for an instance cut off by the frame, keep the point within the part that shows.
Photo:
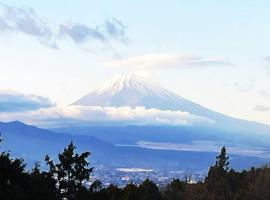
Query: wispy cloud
(114,28)
(66,115)
(80,33)
(268,71)
(25,20)
(169,60)
(265,94)
(11,101)
(262,108)
(244,87)
(111,29)
(267,58)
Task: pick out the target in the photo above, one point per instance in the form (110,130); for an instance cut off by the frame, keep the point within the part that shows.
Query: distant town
(124,176)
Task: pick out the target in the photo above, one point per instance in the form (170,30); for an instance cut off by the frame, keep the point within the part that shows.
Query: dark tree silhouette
(222,161)
(174,190)
(217,181)
(41,185)
(131,192)
(12,177)
(148,190)
(65,180)
(71,171)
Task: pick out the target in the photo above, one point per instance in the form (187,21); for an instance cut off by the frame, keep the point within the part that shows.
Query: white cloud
(267,58)
(25,20)
(80,33)
(169,60)
(83,115)
(244,87)
(111,29)
(262,108)
(11,101)
(265,94)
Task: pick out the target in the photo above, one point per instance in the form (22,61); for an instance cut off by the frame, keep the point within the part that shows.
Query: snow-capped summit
(131,81)
(127,90)
(133,90)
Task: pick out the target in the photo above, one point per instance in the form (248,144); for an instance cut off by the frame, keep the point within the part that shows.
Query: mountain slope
(32,143)
(133,90)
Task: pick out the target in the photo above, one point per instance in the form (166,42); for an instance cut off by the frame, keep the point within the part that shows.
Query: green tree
(217,181)
(174,190)
(130,192)
(12,178)
(222,161)
(113,192)
(41,185)
(148,190)
(71,172)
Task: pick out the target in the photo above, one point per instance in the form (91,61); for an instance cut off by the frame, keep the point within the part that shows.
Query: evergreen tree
(71,171)
(113,192)
(12,178)
(41,185)
(174,190)
(222,161)
(148,190)
(217,180)
(130,192)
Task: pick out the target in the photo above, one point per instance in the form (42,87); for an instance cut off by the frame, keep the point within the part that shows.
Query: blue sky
(78,45)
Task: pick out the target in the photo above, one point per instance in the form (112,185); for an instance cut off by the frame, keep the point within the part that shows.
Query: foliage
(71,171)
(65,180)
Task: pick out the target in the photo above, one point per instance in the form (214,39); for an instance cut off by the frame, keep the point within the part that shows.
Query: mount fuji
(133,91)
(244,139)
(163,147)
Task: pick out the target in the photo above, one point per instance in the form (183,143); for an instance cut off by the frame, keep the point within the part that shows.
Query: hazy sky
(212,52)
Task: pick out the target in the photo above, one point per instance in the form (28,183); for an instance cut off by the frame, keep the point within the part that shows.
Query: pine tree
(130,192)
(174,190)
(41,185)
(217,180)
(222,161)
(148,190)
(71,171)
(12,177)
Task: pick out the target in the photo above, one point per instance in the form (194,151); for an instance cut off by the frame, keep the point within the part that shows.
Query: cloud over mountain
(11,101)
(169,60)
(127,99)
(83,115)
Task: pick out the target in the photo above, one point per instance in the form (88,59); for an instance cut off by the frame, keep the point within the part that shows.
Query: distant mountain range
(32,144)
